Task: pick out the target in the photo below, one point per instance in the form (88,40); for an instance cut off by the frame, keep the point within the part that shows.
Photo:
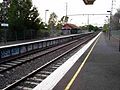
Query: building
(70,29)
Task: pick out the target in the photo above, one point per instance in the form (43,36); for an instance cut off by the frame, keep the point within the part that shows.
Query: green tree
(13,19)
(115,20)
(90,28)
(59,25)
(64,19)
(52,23)
(95,28)
(23,18)
(53,19)
(105,28)
(61,22)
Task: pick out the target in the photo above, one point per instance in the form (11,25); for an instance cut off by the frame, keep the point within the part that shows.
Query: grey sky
(76,7)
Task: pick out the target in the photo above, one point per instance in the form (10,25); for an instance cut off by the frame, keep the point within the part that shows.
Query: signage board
(4,25)
(88,2)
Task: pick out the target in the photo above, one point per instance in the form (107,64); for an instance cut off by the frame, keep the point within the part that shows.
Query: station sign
(4,25)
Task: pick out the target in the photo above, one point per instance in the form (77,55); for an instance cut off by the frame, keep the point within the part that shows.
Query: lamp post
(88,23)
(109,25)
(119,38)
(110,18)
(107,22)
(46,15)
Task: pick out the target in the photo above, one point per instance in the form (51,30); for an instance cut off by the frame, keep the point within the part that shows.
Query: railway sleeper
(22,88)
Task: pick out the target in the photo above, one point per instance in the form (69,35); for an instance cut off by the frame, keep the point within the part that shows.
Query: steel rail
(45,65)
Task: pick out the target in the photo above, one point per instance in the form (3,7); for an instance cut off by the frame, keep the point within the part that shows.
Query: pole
(88,22)
(66,8)
(66,18)
(119,37)
(110,28)
(46,15)
(119,43)
(110,20)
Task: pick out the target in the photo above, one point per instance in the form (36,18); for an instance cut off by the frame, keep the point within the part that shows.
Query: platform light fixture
(89,2)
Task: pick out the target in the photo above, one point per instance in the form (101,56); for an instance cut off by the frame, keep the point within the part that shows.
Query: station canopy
(88,2)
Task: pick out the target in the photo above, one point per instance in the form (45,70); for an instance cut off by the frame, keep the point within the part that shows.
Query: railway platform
(97,68)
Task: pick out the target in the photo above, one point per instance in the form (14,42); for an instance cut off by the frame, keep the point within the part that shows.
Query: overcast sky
(76,7)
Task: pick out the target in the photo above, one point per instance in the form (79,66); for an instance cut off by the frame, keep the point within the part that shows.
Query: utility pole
(110,26)
(88,22)
(66,16)
(110,20)
(119,38)
(66,8)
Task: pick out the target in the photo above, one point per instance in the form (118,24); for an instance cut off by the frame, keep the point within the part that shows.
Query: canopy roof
(88,2)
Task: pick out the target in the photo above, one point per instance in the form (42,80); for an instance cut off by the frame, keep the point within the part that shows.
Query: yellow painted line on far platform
(80,67)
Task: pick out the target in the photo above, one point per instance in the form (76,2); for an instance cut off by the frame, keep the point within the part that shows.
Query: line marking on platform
(80,67)
(52,80)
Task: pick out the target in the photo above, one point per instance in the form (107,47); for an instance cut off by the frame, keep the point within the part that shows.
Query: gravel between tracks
(20,71)
(9,77)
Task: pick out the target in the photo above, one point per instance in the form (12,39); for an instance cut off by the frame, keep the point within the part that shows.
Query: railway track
(5,66)
(51,60)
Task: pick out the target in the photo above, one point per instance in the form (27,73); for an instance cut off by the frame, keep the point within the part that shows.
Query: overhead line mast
(87,14)
(66,8)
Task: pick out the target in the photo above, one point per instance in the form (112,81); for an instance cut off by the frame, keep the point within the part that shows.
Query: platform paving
(101,70)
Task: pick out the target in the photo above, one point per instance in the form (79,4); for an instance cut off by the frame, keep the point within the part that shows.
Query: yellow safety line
(80,67)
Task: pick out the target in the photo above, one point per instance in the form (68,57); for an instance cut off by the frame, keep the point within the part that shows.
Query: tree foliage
(90,28)
(64,19)
(52,23)
(105,27)
(53,19)
(61,22)
(115,21)
(23,18)
(59,25)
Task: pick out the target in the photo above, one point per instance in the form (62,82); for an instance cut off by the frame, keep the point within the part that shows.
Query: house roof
(68,26)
